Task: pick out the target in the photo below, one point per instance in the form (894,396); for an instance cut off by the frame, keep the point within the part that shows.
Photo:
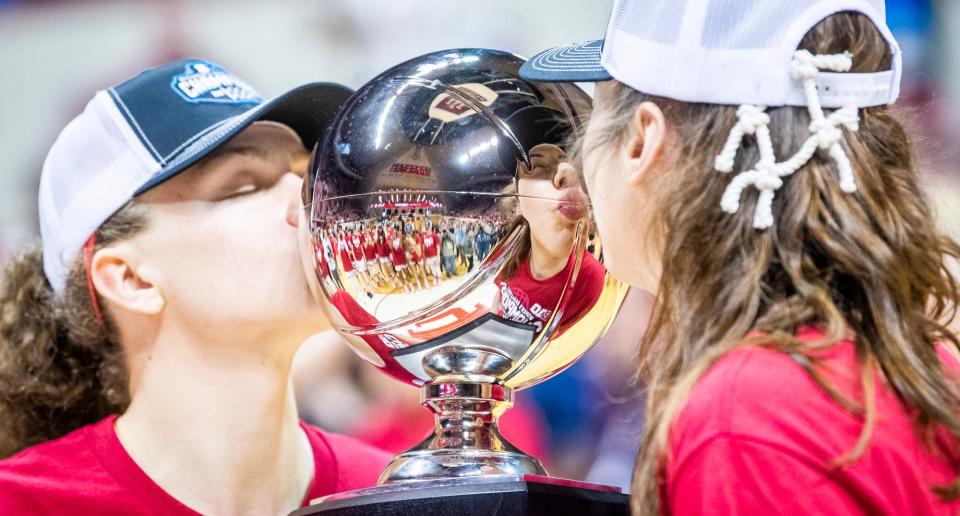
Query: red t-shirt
(357,245)
(346,254)
(757,436)
(528,300)
(396,252)
(89,472)
(369,249)
(431,244)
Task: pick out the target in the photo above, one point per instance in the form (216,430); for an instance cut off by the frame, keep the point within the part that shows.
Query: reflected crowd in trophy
(409,247)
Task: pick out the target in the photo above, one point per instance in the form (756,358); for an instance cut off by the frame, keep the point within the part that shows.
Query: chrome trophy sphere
(451,245)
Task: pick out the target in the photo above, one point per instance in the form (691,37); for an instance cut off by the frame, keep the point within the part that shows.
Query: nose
(566,175)
(291,186)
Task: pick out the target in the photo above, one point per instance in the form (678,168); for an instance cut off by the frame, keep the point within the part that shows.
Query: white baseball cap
(137,134)
(719,52)
(741,52)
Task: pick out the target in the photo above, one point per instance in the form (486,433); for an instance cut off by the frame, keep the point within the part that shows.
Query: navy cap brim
(308,110)
(576,62)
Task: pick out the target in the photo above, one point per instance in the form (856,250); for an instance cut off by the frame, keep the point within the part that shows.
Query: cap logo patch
(206,82)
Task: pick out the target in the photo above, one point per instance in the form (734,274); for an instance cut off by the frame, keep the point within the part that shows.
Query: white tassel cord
(825,131)
(749,119)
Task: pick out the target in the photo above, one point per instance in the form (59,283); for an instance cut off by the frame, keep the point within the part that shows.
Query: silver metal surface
(467,441)
(474,360)
(449,235)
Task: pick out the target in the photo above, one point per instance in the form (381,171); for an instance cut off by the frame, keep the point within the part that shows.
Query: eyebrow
(243,150)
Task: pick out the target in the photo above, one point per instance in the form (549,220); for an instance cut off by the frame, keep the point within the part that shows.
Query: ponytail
(59,368)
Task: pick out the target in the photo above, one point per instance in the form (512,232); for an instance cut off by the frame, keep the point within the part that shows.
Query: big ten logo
(449,108)
(445,322)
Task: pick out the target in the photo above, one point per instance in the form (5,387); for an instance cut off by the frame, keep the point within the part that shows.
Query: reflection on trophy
(447,230)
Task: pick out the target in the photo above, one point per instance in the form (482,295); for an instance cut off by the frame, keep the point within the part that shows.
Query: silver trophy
(452,246)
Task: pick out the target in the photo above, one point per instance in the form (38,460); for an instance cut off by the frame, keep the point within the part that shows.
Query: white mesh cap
(94,168)
(719,52)
(741,52)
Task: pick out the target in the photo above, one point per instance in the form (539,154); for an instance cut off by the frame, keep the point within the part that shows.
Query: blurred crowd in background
(584,422)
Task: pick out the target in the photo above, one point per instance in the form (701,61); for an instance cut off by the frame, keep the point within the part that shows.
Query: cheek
(540,210)
(209,264)
(612,205)
(600,171)
(534,188)
(229,260)
(600,177)
(532,192)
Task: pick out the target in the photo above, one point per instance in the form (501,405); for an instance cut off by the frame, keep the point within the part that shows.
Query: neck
(545,264)
(216,426)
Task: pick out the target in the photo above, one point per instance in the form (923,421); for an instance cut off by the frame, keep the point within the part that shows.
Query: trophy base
(466,441)
(487,495)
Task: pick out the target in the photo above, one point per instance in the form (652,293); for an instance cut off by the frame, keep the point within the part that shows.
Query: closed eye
(246,189)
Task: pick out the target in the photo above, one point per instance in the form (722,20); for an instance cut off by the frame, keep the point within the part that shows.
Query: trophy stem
(466,439)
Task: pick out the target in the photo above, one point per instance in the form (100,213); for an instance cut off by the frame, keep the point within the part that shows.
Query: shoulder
(53,456)
(751,391)
(62,469)
(355,463)
(591,265)
(752,374)
(592,275)
(754,405)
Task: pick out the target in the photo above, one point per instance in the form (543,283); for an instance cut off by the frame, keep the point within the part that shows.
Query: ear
(119,277)
(647,141)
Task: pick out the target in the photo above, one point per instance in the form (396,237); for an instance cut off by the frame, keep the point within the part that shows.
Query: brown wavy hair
(872,261)
(59,368)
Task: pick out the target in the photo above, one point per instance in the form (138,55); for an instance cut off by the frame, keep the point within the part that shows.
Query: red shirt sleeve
(741,475)
(358,464)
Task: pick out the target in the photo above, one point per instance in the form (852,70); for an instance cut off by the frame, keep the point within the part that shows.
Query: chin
(622,270)
(567,225)
(631,276)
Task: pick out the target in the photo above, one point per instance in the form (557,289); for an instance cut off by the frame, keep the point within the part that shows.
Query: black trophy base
(487,495)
